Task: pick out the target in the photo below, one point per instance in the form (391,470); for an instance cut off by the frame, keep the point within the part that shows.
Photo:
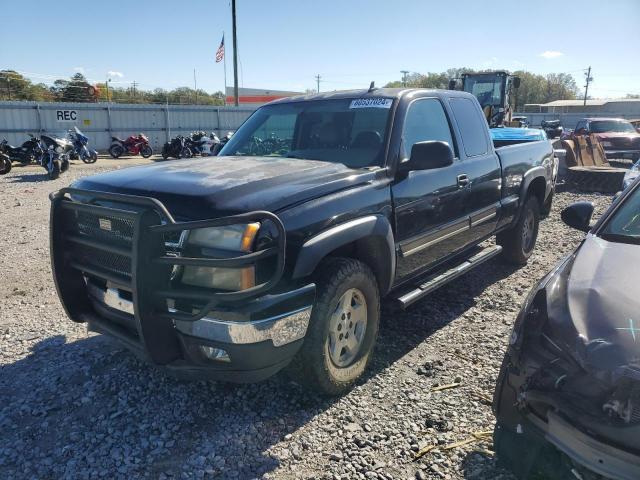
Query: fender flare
(319,246)
(529,176)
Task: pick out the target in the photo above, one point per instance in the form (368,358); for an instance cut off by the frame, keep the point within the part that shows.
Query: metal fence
(101,121)
(569,120)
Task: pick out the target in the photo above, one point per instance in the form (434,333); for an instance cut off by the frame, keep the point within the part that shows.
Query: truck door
(480,166)
(430,218)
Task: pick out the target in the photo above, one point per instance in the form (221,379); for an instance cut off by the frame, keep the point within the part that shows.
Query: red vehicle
(618,136)
(134,145)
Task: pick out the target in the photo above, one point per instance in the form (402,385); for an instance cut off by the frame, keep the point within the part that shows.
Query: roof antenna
(372,87)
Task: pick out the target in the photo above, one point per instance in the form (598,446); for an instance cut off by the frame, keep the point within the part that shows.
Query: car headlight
(232,238)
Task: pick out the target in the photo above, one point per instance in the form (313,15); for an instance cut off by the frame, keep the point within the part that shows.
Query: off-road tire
(313,367)
(597,179)
(547,205)
(512,241)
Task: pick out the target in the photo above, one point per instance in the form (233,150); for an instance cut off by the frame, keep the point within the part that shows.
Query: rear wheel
(116,150)
(342,329)
(146,151)
(519,241)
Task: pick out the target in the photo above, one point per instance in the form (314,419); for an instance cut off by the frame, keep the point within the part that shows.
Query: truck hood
(211,187)
(603,300)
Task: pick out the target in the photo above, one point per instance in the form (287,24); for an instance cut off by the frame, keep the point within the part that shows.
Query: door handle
(463,180)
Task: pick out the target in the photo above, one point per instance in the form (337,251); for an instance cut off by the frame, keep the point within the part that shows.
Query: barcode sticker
(371,103)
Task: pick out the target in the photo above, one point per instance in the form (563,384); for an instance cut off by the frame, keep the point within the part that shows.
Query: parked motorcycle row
(196,144)
(51,153)
(54,153)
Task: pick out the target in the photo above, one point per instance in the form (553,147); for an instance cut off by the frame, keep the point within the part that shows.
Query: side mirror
(578,215)
(428,155)
(516,82)
(452,84)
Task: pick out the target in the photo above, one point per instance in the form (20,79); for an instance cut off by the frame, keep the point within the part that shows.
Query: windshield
(486,88)
(348,131)
(624,225)
(603,126)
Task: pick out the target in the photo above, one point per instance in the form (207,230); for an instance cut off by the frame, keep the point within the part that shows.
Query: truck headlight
(232,238)
(235,238)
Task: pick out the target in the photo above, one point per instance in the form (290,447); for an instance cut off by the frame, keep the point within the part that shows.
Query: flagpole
(224,57)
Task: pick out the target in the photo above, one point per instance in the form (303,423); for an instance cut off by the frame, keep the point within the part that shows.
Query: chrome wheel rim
(347,328)
(528,228)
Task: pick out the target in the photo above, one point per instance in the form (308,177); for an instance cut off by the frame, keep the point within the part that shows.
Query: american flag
(220,52)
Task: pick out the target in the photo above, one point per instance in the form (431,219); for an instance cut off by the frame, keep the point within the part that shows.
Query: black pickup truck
(278,252)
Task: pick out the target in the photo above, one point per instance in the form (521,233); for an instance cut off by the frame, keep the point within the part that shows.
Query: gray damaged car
(567,400)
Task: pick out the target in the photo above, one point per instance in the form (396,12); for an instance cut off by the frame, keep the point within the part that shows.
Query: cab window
(426,120)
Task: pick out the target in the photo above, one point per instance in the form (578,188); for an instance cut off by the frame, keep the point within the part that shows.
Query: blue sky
(283,44)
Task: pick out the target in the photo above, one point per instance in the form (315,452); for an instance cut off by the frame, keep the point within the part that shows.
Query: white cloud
(551,54)
(79,70)
(112,73)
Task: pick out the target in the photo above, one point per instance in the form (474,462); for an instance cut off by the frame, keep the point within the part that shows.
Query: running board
(440,279)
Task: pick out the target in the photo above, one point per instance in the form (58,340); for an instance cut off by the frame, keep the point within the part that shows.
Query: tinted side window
(473,126)
(426,120)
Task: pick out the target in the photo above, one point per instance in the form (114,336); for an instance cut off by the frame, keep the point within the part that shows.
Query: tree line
(15,86)
(534,88)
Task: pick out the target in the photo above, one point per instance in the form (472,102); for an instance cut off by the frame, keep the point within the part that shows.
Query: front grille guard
(150,282)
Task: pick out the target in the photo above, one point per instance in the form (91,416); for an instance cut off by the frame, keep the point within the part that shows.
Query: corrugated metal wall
(100,121)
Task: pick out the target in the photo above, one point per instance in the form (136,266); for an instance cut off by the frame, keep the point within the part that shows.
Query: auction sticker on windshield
(371,103)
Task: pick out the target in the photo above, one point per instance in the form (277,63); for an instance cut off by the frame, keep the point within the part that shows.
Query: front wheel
(185,153)
(343,327)
(54,169)
(146,151)
(116,150)
(519,241)
(5,164)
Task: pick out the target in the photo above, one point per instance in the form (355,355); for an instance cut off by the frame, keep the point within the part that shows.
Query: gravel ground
(77,405)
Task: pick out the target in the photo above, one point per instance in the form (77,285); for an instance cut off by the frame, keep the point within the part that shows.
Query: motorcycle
(552,128)
(55,158)
(80,149)
(202,144)
(29,152)
(5,164)
(177,148)
(222,143)
(134,145)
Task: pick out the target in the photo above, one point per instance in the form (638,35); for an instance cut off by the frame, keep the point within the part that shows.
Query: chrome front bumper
(280,329)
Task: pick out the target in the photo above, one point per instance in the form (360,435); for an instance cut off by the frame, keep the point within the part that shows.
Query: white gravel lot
(77,405)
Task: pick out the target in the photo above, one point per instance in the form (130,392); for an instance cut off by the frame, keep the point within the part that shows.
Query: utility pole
(107,85)
(404,77)
(586,87)
(235,53)
(133,90)
(318,82)
(195,85)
